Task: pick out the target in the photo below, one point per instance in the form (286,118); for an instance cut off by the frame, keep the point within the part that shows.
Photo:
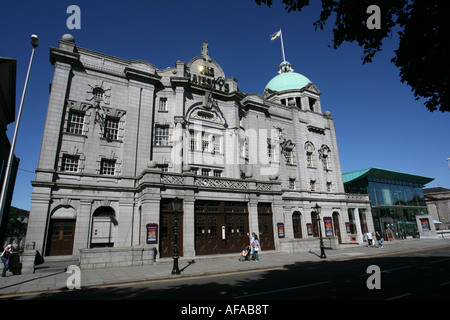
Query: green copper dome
(287,79)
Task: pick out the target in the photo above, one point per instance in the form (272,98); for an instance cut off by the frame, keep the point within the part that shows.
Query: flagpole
(282,45)
(34,43)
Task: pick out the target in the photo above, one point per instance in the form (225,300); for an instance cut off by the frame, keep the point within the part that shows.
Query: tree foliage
(423,54)
(14,227)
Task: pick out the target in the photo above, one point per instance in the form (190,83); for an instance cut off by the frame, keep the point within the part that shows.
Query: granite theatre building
(123,140)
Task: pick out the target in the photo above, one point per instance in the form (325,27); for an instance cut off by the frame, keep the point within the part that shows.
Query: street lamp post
(176,206)
(317,209)
(34,43)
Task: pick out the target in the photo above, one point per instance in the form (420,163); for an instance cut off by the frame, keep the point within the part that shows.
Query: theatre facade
(124,140)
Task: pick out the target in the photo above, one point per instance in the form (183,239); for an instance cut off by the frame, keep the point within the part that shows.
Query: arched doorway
(104,225)
(297,224)
(315,224)
(337,230)
(61,231)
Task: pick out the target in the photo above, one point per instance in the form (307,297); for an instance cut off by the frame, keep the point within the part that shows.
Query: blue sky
(378,122)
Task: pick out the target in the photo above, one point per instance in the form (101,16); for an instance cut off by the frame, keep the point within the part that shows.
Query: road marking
(390,253)
(389,270)
(436,261)
(395,269)
(445,283)
(281,290)
(398,297)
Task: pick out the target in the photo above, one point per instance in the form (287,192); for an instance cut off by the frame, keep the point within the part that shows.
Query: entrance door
(61,236)
(315,224)
(220,227)
(236,229)
(265,225)
(297,224)
(337,230)
(168,221)
(206,234)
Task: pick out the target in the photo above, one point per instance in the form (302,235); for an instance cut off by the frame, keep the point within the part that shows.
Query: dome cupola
(287,79)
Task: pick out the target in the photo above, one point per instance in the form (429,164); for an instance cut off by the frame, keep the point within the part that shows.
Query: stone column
(189,226)
(83,226)
(178,145)
(253,217)
(359,237)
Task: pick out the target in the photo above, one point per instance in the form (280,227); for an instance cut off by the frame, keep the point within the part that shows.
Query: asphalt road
(421,275)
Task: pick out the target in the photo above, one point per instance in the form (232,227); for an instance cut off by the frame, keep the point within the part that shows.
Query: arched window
(297,224)
(309,148)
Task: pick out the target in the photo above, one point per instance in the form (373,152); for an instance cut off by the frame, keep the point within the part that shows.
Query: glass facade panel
(395,205)
(395,194)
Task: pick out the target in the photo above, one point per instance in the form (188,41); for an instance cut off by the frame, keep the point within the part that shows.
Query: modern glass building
(398,202)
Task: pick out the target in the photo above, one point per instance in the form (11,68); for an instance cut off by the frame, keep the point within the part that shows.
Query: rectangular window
(289,157)
(309,160)
(312,184)
(70,163)
(75,122)
(218,173)
(163,167)
(205,142)
(329,189)
(216,144)
(206,172)
(193,140)
(326,163)
(107,167)
(111,128)
(292,184)
(162,104)
(161,135)
(244,150)
(351,219)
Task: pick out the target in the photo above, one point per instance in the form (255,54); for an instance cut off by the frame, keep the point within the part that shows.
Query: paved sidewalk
(56,279)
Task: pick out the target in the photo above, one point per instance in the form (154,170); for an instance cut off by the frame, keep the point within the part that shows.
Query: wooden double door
(265,225)
(61,237)
(220,227)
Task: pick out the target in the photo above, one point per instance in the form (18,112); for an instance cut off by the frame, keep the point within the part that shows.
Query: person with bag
(255,246)
(380,240)
(5,258)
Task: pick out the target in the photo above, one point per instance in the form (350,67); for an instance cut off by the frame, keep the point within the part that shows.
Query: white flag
(276,35)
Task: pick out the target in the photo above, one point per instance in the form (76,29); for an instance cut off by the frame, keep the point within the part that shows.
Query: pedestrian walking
(5,258)
(256,247)
(252,239)
(369,238)
(380,239)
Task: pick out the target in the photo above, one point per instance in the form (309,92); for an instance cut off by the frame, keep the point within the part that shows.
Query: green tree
(423,54)
(15,228)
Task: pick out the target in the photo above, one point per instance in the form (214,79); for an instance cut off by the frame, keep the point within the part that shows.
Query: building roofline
(385,174)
